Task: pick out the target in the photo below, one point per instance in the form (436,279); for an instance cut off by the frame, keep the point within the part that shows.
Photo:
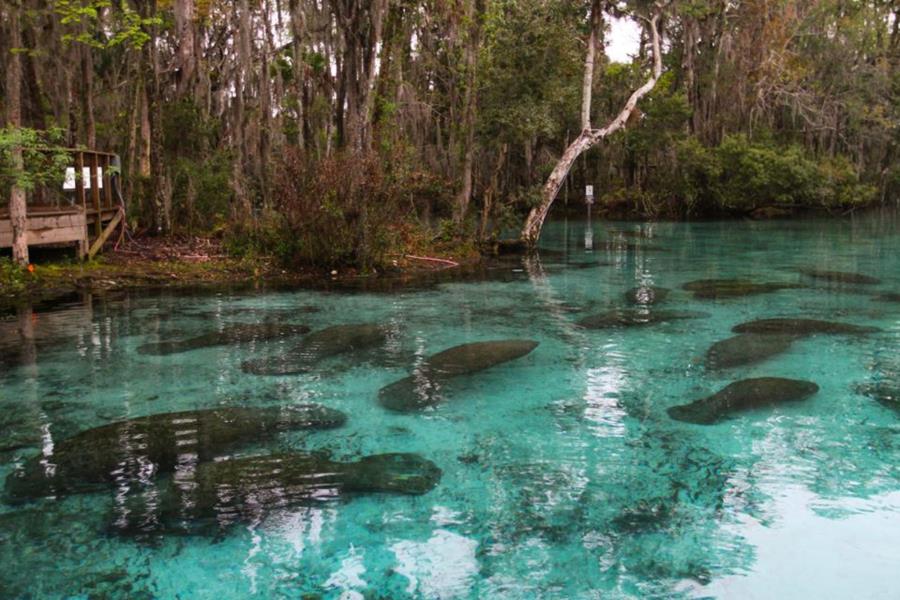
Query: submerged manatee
(138,449)
(746,349)
(646,295)
(248,489)
(635,317)
(885,394)
(887,297)
(711,289)
(423,388)
(233,334)
(317,346)
(743,395)
(800,327)
(840,277)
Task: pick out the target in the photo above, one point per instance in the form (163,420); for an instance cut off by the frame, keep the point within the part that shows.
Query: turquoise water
(563,475)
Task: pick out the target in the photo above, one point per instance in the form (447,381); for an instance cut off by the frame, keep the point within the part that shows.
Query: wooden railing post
(95,194)
(79,180)
(107,181)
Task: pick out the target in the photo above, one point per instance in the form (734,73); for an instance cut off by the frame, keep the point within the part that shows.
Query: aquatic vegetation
(137,450)
(884,393)
(711,289)
(743,395)
(423,388)
(646,295)
(840,277)
(317,346)
(248,489)
(801,327)
(636,317)
(747,349)
(233,334)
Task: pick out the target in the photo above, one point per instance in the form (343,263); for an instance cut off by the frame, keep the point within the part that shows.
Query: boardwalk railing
(93,178)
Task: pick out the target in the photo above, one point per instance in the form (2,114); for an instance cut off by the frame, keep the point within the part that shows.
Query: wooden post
(79,180)
(107,182)
(95,195)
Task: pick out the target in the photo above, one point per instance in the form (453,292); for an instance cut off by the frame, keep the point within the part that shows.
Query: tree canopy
(460,109)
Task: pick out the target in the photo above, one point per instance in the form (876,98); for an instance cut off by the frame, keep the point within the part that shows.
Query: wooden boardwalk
(84,211)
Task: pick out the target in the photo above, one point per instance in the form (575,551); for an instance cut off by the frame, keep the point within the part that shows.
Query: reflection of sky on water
(804,555)
(444,566)
(604,387)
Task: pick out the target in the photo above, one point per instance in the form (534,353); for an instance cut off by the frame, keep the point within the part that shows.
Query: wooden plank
(98,243)
(54,229)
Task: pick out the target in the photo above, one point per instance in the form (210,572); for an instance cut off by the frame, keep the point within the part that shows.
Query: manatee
(233,334)
(800,327)
(635,317)
(746,349)
(840,277)
(710,289)
(646,295)
(138,449)
(885,394)
(887,297)
(317,346)
(248,489)
(743,395)
(422,389)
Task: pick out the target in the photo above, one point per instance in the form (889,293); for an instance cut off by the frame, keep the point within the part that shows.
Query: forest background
(331,132)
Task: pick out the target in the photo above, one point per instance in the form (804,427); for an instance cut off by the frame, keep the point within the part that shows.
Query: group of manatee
(184,457)
(754,341)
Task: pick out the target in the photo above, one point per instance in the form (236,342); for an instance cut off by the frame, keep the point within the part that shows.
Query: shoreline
(199,263)
(130,270)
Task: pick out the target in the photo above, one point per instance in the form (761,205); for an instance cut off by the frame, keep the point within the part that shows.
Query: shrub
(340,211)
(742,175)
(12,276)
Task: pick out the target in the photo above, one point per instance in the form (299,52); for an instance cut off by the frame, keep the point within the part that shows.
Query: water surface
(563,475)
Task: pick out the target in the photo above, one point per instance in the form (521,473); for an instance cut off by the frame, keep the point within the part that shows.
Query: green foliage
(200,171)
(529,72)
(129,28)
(741,175)
(12,276)
(43,161)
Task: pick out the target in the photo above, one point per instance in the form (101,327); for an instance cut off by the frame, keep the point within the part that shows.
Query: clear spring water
(563,476)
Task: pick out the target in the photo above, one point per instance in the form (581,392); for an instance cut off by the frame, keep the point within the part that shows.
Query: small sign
(589,194)
(69,181)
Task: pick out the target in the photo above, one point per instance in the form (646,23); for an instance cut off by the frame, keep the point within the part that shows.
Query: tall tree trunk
(185,61)
(531,232)
(476,7)
(156,188)
(487,208)
(17,210)
(590,58)
(87,100)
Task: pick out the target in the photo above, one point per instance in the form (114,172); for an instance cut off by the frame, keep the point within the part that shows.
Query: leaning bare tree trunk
(17,210)
(588,137)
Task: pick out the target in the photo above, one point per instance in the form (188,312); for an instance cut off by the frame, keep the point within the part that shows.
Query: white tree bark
(531,232)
